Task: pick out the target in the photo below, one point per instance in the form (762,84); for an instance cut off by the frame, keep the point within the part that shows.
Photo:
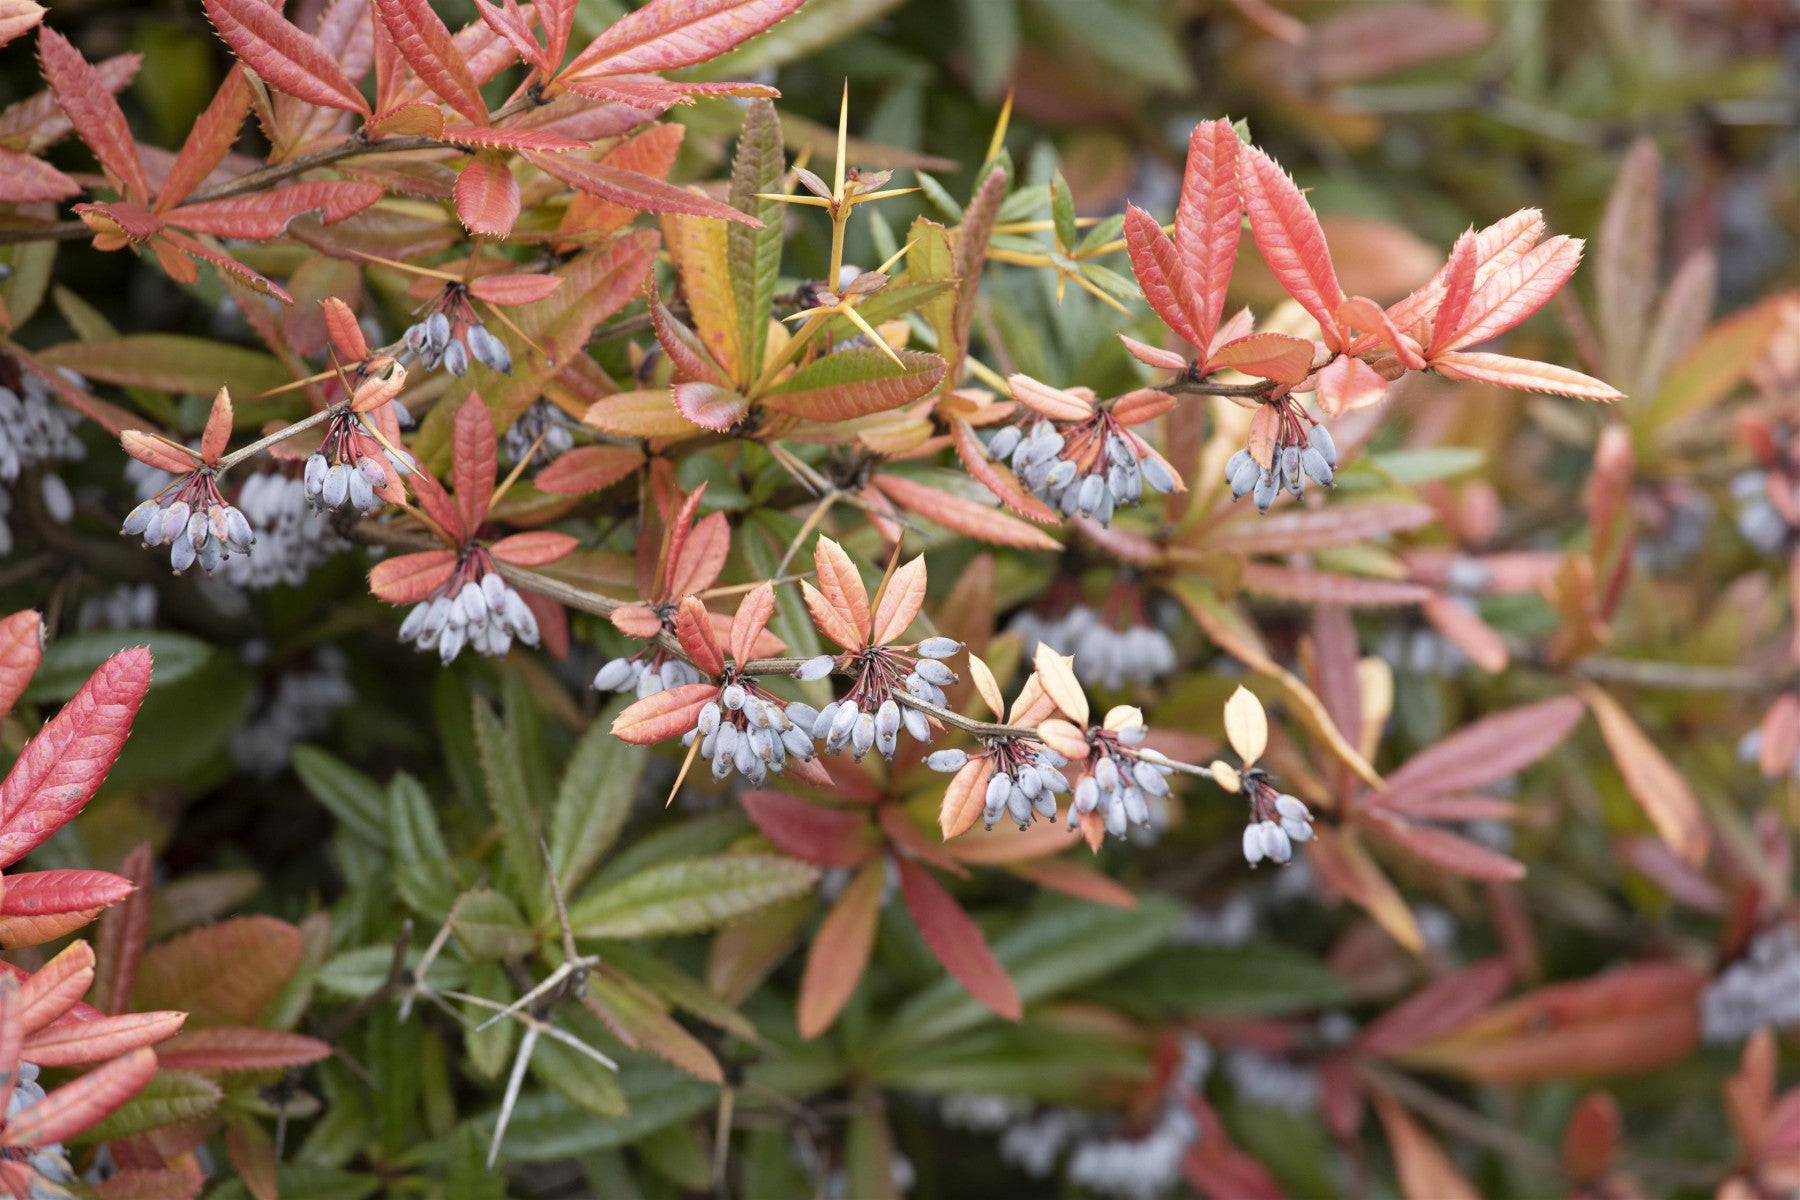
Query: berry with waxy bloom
(360,461)
(1288,446)
(452,336)
(872,714)
(1080,457)
(1277,820)
(190,515)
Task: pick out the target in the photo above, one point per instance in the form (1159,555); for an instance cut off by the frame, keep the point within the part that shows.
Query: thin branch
(280,435)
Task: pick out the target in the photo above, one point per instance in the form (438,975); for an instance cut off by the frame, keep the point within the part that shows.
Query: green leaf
(309,1181)
(356,973)
(1062,213)
(754,254)
(1252,980)
(170,362)
(1061,946)
(509,795)
(23,290)
(352,797)
(689,896)
(467,1176)
(856,383)
(491,926)
(991,38)
(580,1078)
(489,1049)
(691,838)
(1125,37)
(170,1097)
(939,195)
(594,801)
(1423,466)
(547,1126)
(422,863)
(68,661)
(677,987)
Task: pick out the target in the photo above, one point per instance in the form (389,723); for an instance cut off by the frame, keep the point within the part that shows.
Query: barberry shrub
(689,658)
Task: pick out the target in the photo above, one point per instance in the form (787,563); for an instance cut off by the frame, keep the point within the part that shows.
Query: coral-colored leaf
(1266,355)
(1208,221)
(830,621)
(1447,851)
(1287,232)
(18,17)
(900,603)
(289,60)
(665,715)
(487,195)
(710,406)
(841,584)
(84,1102)
(1440,1007)
(56,987)
(533,548)
(965,798)
(1492,749)
(1459,290)
(40,893)
(1518,291)
(1523,374)
(154,450)
(695,566)
(217,434)
(506,290)
(963,516)
(268,215)
(344,330)
(1153,356)
(753,614)
(240,1048)
(210,140)
(1307,586)
(694,630)
(171,238)
(1651,779)
(1591,1138)
(223,974)
(1144,404)
(472,461)
(21,648)
(996,478)
(78,1038)
(410,578)
(28,180)
(840,952)
(60,768)
(90,107)
(1426,1173)
(426,45)
(632,189)
(512,137)
(1298,530)
(1348,384)
(514,25)
(1048,401)
(147,1183)
(826,837)
(1470,634)
(666,34)
(124,929)
(34,929)
(1159,271)
(588,469)
(687,353)
(956,941)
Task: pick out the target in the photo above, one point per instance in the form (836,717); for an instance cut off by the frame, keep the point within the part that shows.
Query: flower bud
(939,647)
(1253,845)
(1320,439)
(1275,842)
(1292,807)
(935,672)
(138,519)
(804,716)
(1266,490)
(917,724)
(456,359)
(862,734)
(734,697)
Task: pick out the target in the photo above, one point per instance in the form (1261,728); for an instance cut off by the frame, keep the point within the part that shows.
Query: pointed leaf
(238,1048)
(956,940)
(1492,749)
(1518,291)
(210,140)
(534,548)
(689,896)
(472,462)
(77,1040)
(77,1105)
(840,952)
(410,578)
(420,36)
(666,714)
(1160,273)
(21,649)
(666,34)
(96,115)
(841,585)
(752,618)
(1288,233)
(856,383)
(962,515)
(1426,1173)
(1273,356)
(289,60)
(487,195)
(900,603)
(1523,374)
(223,974)
(1651,779)
(631,189)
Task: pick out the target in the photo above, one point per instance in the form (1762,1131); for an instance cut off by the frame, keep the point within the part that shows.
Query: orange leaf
(696,565)
(410,578)
(77,1039)
(1522,374)
(1438,1008)
(588,469)
(56,987)
(269,214)
(223,974)
(210,140)
(1163,278)
(666,34)
(664,715)
(640,414)
(1348,384)
(841,585)
(693,628)
(1144,404)
(154,450)
(963,516)
(509,290)
(1650,778)
(1287,232)
(533,549)
(1275,356)
(956,941)
(631,189)
(1516,292)
(753,614)
(1048,401)
(900,603)
(965,797)
(840,951)
(217,434)
(1208,221)
(487,196)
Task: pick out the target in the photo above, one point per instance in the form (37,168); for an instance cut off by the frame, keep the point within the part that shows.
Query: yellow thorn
(897,256)
(857,320)
(998,142)
(815,201)
(882,195)
(400,266)
(843,141)
(1019,258)
(1100,295)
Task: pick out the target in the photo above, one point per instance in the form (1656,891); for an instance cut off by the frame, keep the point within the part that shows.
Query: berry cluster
(474,607)
(1089,468)
(1277,820)
(1026,781)
(453,337)
(869,716)
(541,433)
(351,466)
(1303,450)
(291,540)
(190,516)
(750,731)
(1120,776)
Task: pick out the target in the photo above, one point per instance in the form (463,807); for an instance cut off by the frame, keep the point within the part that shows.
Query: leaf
(1518,291)
(632,189)
(856,383)
(268,214)
(170,362)
(410,578)
(1287,232)
(1629,245)
(1425,1172)
(639,414)
(1348,384)
(1717,363)
(666,34)
(90,107)
(695,566)
(79,1104)
(1447,851)
(62,766)
(1523,374)
(78,1039)
(1056,675)
(289,60)
(55,988)
(487,196)
(588,469)
(1273,356)
(514,25)
(593,802)
(1047,401)
(701,250)
(751,620)
(694,630)
(21,649)
(1296,530)
(425,43)
(665,714)
(504,766)
(223,974)
(1440,1007)
(241,1049)
(170,1098)
(839,953)
(491,926)
(1160,273)
(962,515)
(826,837)
(18,17)
(689,895)
(710,406)
(46,893)
(755,254)
(352,797)
(28,180)
(1208,221)
(1494,748)
(1255,979)
(472,463)
(956,941)
(842,590)
(534,548)
(1246,726)
(966,796)
(1650,778)
(900,603)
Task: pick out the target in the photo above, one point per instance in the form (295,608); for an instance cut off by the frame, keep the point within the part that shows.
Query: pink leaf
(28,180)
(78,1038)
(1522,374)
(956,941)
(1287,232)
(963,516)
(1275,356)
(710,406)
(209,141)
(534,548)
(472,462)
(665,34)
(1495,747)
(901,601)
(1518,291)
(90,106)
(633,189)
(425,43)
(1208,221)
(1348,384)
(840,951)
(21,648)
(60,768)
(409,578)
(291,61)
(487,195)
(77,1105)
(1157,265)
(509,137)
(508,290)
(588,469)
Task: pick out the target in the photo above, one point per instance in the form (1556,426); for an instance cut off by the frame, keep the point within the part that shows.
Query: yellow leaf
(1246,726)
(1056,673)
(986,685)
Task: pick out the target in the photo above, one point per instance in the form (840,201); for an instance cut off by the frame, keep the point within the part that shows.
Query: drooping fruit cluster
(475,607)
(452,336)
(1302,449)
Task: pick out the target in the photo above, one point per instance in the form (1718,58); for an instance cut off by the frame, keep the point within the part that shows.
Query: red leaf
(56,987)
(701,557)
(1157,265)
(1153,356)
(1516,292)
(1459,290)
(76,1040)
(18,17)
(410,578)
(90,107)
(588,469)
(666,34)
(36,929)
(901,601)
(217,433)
(1472,635)
(996,478)
(694,630)
(1208,221)
(60,768)
(146,1183)
(1359,312)
(1448,851)
(209,141)
(1307,586)
(84,1102)
(28,180)
(223,974)
(507,290)
(710,406)
(651,153)
(840,951)
(533,549)
(665,715)
(1287,232)
(826,837)
(1491,749)
(512,137)
(428,49)
(841,586)
(1267,355)
(21,648)
(963,516)
(289,60)
(123,932)
(1073,879)
(472,462)
(1523,374)
(1348,384)
(1651,778)
(956,941)
(515,26)
(187,245)
(269,214)
(687,354)
(39,893)
(750,621)
(237,1048)
(1591,1137)
(633,190)
(487,195)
